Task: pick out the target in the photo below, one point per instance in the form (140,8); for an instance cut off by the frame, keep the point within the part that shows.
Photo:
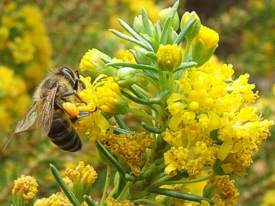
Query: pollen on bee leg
(70,108)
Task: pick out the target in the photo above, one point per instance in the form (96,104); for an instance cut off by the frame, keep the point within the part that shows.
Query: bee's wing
(45,115)
(29,120)
(25,124)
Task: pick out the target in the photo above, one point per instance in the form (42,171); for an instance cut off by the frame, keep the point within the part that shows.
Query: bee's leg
(70,93)
(58,104)
(77,83)
(80,115)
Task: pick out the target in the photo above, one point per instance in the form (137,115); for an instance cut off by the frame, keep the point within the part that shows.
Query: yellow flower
(22,49)
(103,93)
(30,47)
(113,202)
(130,147)
(208,37)
(209,106)
(125,56)
(91,60)
(84,174)
(224,191)
(191,159)
(269,198)
(9,108)
(57,199)
(25,186)
(169,56)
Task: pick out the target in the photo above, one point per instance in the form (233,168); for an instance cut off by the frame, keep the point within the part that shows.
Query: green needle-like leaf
(186,65)
(183,32)
(145,20)
(104,151)
(135,66)
(64,188)
(168,24)
(179,195)
(128,38)
(133,33)
(121,122)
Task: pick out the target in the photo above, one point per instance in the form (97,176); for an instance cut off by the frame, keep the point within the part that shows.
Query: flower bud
(169,56)
(194,29)
(164,14)
(204,45)
(92,62)
(127,76)
(125,56)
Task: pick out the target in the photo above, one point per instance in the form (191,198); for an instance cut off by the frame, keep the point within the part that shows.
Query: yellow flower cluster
(25,186)
(269,198)
(103,93)
(83,174)
(57,199)
(113,202)
(125,56)
(211,119)
(225,193)
(130,147)
(9,98)
(26,38)
(169,56)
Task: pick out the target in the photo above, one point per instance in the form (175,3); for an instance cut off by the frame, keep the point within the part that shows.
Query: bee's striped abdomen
(63,134)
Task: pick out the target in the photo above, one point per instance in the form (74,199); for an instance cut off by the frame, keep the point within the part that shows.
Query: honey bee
(47,113)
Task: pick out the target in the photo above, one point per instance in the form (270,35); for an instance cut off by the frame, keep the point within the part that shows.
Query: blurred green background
(37,36)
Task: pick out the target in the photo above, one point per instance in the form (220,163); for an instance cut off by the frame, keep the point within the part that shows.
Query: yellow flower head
(113,202)
(169,56)
(225,192)
(57,199)
(25,186)
(107,93)
(84,174)
(208,37)
(209,106)
(9,108)
(130,147)
(190,160)
(269,198)
(103,93)
(125,56)
(22,49)
(91,60)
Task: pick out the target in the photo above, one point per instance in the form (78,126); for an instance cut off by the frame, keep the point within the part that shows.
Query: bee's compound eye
(66,70)
(70,108)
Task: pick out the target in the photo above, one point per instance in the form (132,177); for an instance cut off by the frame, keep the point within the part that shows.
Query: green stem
(106,185)
(150,202)
(124,191)
(116,185)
